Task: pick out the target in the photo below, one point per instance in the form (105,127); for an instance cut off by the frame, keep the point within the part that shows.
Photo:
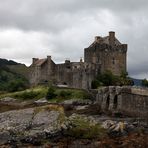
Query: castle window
(113,61)
(68,67)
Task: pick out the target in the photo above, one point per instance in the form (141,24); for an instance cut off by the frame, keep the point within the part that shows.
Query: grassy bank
(39,92)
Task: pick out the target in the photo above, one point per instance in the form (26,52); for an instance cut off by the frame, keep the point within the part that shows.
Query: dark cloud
(63,28)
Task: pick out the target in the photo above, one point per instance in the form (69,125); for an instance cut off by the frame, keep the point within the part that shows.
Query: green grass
(33,93)
(41,91)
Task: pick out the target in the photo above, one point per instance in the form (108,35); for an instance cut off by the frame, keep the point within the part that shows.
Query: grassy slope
(7,77)
(12,75)
(41,91)
(20,69)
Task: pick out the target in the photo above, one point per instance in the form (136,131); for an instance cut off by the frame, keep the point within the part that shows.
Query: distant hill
(137,82)
(15,67)
(13,75)
(4,62)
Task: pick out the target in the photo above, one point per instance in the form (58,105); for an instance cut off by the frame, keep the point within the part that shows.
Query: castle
(105,53)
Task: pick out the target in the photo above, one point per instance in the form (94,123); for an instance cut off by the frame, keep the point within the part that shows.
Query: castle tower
(108,53)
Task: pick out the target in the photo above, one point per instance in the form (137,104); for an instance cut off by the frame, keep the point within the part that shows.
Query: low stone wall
(128,100)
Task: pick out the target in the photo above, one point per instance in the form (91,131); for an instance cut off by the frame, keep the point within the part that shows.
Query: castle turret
(112,38)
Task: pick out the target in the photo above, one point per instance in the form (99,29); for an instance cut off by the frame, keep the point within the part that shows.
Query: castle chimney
(97,39)
(34,60)
(48,57)
(112,38)
(67,61)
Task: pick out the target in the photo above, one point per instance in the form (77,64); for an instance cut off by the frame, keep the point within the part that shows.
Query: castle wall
(64,74)
(105,53)
(127,100)
(35,73)
(114,61)
(42,73)
(76,74)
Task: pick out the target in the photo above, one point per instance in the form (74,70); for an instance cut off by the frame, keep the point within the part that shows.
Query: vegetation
(108,79)
(51,93)
(4,62)
(60,94)
(145,82)
(85,129)
(10,81)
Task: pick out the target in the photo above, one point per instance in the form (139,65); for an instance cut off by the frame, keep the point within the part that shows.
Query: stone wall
(76,74)
(128,100)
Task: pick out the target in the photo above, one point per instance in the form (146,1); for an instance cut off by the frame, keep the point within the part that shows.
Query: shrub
(65,94)
(108,79)
(10,81)
(145,82)
(85,129)
(50,93)
(16,85)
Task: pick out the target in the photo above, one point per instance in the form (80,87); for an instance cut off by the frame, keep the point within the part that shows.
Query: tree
(145,82)
(108,79)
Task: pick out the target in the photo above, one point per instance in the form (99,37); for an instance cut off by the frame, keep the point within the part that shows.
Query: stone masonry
(129,100)
(105,53)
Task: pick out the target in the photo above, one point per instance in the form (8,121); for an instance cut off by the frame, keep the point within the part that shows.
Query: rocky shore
(70,124)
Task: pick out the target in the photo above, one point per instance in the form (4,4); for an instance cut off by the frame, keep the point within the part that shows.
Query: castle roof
(39,62)
(104,40)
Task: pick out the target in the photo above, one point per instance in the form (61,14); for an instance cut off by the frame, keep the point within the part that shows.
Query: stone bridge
(129,100)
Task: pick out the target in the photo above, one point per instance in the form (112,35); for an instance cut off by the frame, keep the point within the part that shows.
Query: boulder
(31,123)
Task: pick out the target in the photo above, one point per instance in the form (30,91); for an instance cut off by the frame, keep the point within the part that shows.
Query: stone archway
(107,103)
(115,102)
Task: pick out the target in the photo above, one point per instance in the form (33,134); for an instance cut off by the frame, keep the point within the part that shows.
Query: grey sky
(63,28)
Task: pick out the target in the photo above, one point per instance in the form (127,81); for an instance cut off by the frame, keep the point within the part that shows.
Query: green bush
(10,81)
(145,82)
(16,85)
(108,79)
(64,94)
(51,93)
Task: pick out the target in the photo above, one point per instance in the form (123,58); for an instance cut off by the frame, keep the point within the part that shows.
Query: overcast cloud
(63,28)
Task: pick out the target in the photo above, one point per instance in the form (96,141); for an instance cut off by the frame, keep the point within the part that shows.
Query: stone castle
(105,53)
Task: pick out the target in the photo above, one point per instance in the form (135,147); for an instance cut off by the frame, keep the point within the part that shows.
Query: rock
(29,123)
(40,101)
(117,128)
(107,124)
(78,102)
(8,99)
(81,107)
(4,137)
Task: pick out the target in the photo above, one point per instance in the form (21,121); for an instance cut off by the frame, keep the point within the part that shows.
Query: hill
(4,62)
(13,75)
